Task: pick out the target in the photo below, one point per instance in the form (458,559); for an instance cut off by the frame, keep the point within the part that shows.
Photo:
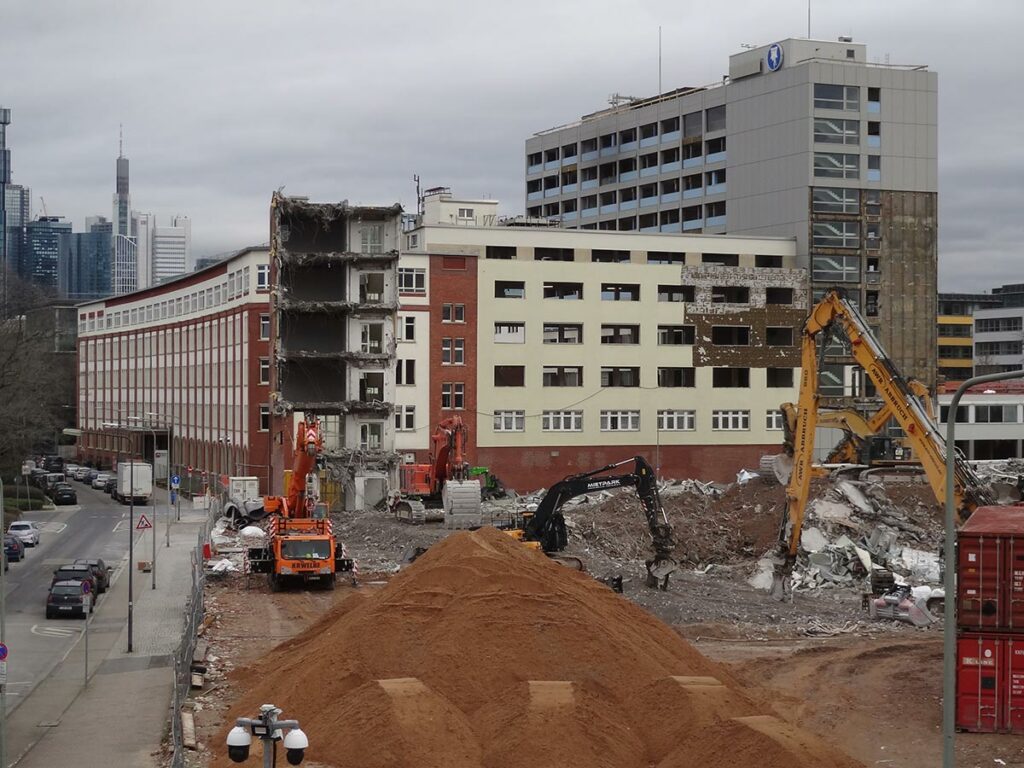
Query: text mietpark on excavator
(301,547)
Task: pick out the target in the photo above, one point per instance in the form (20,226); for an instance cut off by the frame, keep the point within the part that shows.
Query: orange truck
(301,548)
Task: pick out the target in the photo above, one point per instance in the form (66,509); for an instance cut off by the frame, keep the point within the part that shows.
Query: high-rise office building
(124,265)
(18,204)
(171,250)
(84,267)
(142,232)
(803,138)
(5,180)
(122,197)
(42,251)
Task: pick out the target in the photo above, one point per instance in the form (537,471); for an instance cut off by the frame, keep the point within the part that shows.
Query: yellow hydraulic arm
(898,396)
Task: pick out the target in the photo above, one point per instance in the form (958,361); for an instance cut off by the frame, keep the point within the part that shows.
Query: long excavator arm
(547,525)
(899,396)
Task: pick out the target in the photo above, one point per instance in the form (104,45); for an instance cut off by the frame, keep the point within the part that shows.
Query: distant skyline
(223,103)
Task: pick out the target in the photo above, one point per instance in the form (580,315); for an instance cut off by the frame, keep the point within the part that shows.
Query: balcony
(628,146)
(649,229)
(672,167)
(629,176)
(716,189)
(652,171)
(568,188)
(627,205)
(650,141)
(716,157)
(570,160)
(535,168)
(874,106)
(552,165)
(692,224)
(874,142)
(588,212)
(589,184)
(693,162)
(609,151)
(669,137)
(874,175)
(648,201)
(689,194)
(592,155)
(715,221)
(569,216)
(872,278)
(677,227)
(538,195)
(552,192)
(670,197)
(613,208)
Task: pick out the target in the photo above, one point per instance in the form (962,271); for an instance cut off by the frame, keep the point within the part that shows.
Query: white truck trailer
(134,482)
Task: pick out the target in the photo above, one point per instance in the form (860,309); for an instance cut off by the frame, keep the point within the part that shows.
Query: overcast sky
(224,101)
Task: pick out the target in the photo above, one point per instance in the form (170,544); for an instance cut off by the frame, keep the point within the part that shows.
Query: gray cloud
(224,101)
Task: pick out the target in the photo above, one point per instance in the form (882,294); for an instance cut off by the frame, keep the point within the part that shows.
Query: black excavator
(545,529)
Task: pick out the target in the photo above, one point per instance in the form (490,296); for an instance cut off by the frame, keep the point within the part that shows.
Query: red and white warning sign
(143,523)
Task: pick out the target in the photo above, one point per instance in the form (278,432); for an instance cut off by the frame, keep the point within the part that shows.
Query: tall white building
(171,249)
(142,231)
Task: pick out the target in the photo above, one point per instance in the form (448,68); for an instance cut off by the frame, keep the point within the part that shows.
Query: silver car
(100,481)
(26,531)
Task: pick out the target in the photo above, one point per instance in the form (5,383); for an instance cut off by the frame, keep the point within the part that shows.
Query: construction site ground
(870,688)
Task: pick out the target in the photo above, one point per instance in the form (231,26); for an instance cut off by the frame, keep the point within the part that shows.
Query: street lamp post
(131,532)
(170,468)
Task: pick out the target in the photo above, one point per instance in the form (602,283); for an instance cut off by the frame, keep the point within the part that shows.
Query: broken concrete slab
(855,496)
(812,540)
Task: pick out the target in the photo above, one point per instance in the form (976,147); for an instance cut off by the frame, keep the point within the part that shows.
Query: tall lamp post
(166,422)
(131,529)
(152,431)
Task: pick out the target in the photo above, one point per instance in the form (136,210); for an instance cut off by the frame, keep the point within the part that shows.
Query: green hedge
(22,491)
(22,504)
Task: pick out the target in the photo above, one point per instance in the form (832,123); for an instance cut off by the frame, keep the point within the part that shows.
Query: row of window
(668,335)
(691,218)
(838,165)
(690,125)
(621,376)
(829,130)
(235,285)
(628,169)
(611,256)
(845,97)
(846,200)
(983,414)
(571,291)
(629,421)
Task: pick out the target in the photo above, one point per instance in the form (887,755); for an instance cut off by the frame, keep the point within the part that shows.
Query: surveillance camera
(295,745)
(239,740)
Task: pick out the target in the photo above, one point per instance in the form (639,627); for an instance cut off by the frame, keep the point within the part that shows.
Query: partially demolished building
(333,309)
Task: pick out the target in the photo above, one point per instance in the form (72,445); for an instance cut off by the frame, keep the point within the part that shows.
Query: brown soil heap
(485,654)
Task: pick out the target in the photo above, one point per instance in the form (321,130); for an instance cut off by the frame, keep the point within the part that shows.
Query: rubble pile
(485,653)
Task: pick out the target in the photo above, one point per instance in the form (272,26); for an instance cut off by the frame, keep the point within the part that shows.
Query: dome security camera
(295,745)
(239,740)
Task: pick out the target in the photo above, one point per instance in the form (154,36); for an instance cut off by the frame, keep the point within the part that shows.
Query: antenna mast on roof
(120,140)
(659,59)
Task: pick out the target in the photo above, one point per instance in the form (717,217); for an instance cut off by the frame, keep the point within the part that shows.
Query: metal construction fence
(186,647)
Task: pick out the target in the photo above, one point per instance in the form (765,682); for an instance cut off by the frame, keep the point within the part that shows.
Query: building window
(467,213)
(264,370)
(413,241)
(730,335)
(665,257)
(844,97)
(989,325)
(778,336)
(676,292)
(730,294)
(995,414)
(874,99)
(620,334)
(620,421)
(723,378)
(510,375)
(371,338)
(726,421)
(500,252)
(874,168)
(833,165)
(453,395)
(767,261)
(412,280)
(405,373)
(676,377)
(262,277)
(510,421)
(620,377)
(407,328)
(620,292)
(773,421)
(715,117)
(509,289)
(677,421)
(447,351)
(264,327)
(563,333)
(562,376)
(675,335)
(830,131)
(371,238)
(562,421)
(510,333)
(554,254)
(264,418)
(835,269)
(779,377)
(371,436)
(564,291)
(405,418)
(453,313)
(835,200)
(692,124)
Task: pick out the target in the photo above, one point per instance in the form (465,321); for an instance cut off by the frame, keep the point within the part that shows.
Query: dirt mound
(485,653)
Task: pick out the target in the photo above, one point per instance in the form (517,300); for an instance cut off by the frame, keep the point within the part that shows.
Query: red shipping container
(1013,719)
(990,570)
(980,683)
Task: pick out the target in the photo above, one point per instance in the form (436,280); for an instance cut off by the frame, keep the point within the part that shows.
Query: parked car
(66,598)
(63,493)
(13,548)
(25,531)
(76,572)
(100,570)
(36,477)
(100,480)
(92,475)
(110,486)
(82,473)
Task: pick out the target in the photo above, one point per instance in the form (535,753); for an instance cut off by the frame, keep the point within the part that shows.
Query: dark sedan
(99,570)
(14,549)
(63,493)
(66,598)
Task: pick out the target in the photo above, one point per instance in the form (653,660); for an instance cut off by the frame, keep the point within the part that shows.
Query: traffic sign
(3,673)
(143,523)
(190,469)
(3,652)
(86,588)
(175,482)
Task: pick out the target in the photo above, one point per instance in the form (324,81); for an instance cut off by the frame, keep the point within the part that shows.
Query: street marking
(118,526)
(52,527)
(52,631)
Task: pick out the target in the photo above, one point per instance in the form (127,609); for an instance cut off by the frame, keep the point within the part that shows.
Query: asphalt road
(96,527)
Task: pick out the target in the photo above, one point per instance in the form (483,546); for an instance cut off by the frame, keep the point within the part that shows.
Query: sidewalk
(121,718)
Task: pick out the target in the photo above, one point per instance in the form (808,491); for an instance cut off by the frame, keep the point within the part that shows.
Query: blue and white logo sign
(774,57)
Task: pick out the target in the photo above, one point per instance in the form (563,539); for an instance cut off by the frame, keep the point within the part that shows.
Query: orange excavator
(301,547)
(443,484)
